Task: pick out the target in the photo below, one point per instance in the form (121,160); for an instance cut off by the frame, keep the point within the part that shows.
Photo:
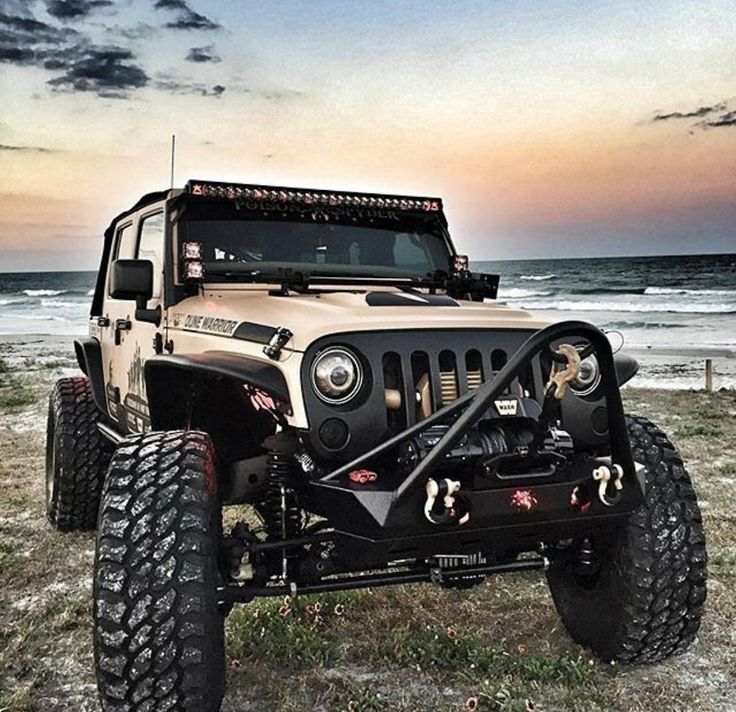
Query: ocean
(667,303)
(671,312)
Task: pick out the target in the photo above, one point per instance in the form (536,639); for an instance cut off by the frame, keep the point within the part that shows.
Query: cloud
(711,117)
(694,114)
(106,71)
(726,119)
(23,24)
(25,40)
(77,64)
(26,149)
(180,87)
(203,54)
(280,94)
(141,31)
(16,55)
(187,19)
(74,9)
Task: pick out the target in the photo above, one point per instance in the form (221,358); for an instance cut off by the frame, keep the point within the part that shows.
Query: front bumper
(390,510)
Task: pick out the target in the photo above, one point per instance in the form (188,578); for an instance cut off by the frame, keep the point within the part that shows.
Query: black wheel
(77,456)
(159,640)
(642,599)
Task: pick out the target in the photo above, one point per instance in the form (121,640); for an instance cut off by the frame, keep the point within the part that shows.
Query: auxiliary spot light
(194,270)
(192,251)
(193,267)
(460,263)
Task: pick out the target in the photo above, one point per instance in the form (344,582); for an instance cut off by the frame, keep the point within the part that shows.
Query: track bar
(235,593)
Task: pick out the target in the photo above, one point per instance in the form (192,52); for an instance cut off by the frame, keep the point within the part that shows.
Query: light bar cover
(309,198)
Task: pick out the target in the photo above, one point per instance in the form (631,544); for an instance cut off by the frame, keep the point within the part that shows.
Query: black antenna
(173,155)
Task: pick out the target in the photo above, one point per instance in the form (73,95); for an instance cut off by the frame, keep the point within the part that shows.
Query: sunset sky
(549,128)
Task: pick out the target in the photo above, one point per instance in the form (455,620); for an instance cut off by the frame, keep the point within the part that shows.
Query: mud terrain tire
(646,601)
(77,456)
(159,641)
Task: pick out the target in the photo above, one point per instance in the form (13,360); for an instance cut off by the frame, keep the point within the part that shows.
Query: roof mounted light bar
(309,198)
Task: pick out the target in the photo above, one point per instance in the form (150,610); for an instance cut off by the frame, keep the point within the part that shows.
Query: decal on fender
(204,324)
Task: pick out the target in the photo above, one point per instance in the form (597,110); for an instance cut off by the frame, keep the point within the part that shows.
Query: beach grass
(499,646)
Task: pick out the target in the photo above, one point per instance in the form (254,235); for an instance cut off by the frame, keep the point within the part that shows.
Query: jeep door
(126,342)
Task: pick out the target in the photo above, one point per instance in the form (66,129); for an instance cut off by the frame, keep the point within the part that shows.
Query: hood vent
(408,299)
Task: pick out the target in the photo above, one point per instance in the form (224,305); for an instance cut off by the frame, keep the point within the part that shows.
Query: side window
(123,247)
(151,246)
(125,243)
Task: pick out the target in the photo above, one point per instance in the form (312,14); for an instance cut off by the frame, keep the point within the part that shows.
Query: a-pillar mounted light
(192,265)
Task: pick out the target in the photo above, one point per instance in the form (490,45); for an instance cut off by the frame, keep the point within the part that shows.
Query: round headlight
(588,378)
(336,375)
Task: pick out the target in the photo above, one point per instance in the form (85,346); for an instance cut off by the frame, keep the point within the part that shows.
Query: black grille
(427,379)
(439,365)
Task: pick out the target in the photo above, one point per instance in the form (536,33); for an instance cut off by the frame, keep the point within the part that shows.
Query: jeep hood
(241,311)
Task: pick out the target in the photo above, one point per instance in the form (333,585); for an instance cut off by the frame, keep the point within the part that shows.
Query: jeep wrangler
(328,360)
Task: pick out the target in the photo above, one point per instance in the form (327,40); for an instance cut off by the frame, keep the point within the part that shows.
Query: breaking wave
(520,292)
(44,292)
(626,324)
(691,292)
(59,303)
(639,306)
(537,277)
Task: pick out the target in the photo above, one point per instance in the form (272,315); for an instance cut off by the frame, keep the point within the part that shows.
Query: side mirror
(133,279)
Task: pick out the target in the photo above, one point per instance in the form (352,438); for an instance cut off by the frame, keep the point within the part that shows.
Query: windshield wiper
(296,279)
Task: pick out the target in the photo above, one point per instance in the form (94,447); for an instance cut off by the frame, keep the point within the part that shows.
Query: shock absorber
(282,515)
(587,563)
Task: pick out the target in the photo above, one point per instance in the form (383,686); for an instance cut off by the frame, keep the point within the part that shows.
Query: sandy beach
(411,648)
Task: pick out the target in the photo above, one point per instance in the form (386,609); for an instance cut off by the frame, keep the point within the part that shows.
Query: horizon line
(472,260)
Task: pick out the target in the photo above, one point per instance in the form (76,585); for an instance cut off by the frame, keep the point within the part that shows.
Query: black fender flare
(167,401)
(89,358)
(626,367)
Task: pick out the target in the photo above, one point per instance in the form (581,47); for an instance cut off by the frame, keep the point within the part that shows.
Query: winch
(495,446)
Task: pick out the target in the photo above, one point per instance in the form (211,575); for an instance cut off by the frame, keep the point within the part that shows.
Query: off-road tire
(646,601)
(159,640)
(77,456)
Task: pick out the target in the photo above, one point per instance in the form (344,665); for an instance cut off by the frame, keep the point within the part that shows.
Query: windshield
(245,245)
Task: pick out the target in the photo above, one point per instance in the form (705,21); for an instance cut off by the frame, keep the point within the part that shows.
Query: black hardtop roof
(147,199)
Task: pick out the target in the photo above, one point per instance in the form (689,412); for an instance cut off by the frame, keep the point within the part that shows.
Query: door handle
(120,326)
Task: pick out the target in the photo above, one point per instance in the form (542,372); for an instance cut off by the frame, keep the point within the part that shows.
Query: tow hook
(558,380)
(603,475)
(441,505)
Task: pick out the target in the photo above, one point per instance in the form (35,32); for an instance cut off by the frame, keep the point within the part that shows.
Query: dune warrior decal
(205,324)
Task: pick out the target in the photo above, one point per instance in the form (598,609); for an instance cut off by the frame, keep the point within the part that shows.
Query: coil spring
(282,515)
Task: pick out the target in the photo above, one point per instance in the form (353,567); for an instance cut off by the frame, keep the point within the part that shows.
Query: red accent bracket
(363,477)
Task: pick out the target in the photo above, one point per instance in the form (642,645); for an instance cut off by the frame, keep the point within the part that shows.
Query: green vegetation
(15,391)
(293,632)
(459,650)
(362,700)
(723,562)
(699,429)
